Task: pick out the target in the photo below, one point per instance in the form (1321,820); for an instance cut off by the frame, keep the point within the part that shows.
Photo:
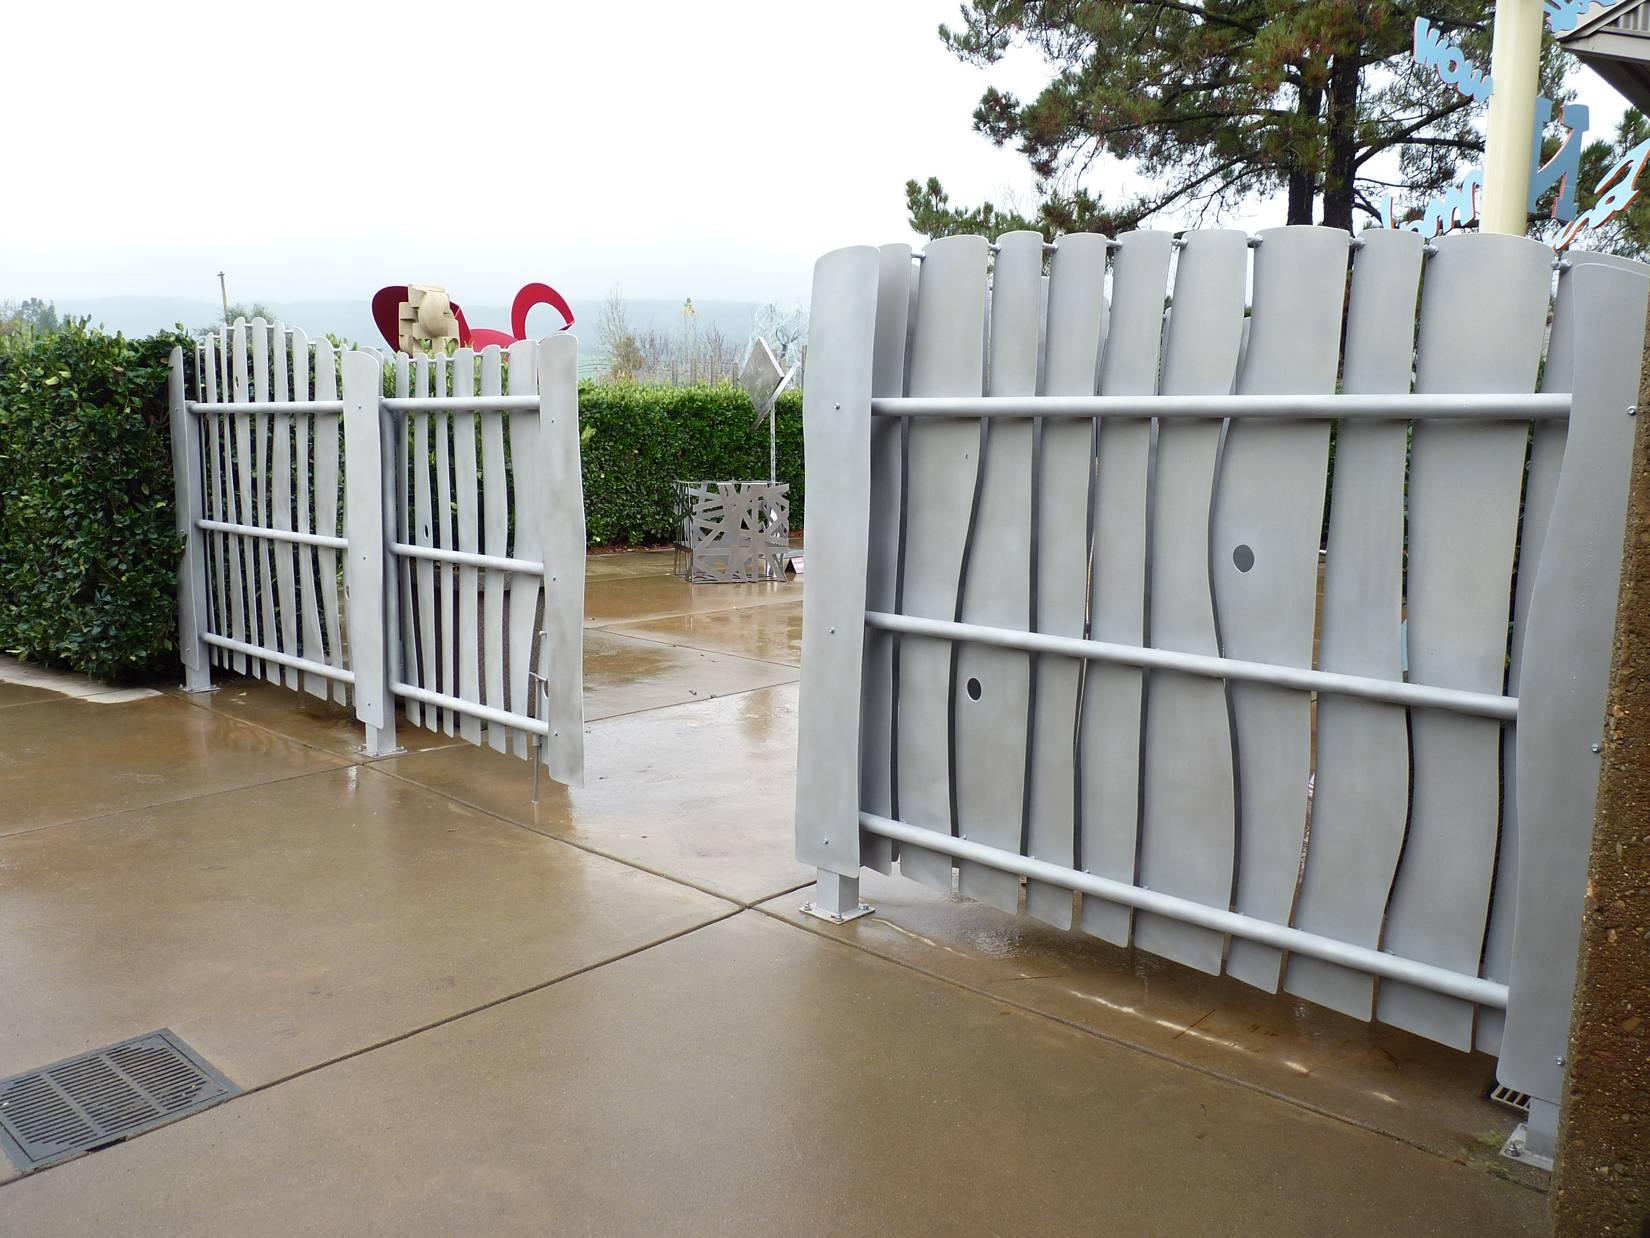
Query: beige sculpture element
(426,319)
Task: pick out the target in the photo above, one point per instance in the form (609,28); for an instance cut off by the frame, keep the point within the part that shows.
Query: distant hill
(352,320)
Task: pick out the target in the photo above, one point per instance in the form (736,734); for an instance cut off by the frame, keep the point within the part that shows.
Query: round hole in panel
(973,689)
(1243,558)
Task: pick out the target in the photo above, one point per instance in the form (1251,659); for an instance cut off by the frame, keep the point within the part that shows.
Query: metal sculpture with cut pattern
(732,531)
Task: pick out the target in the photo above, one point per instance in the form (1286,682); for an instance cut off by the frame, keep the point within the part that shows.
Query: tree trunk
(1302,185)
(1342,140)
(1300,196)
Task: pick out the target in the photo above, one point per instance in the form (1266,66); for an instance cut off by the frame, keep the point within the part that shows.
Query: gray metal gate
(446,572)
(1063,622)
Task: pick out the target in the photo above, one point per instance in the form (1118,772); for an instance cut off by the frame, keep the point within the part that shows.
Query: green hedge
(638,439)
(88,552)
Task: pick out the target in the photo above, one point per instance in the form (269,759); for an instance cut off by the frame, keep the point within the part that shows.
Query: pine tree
(1220,101)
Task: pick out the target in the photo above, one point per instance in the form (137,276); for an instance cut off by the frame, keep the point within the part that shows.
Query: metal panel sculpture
(456,588)
(1060,626)
(764,382)
(732,531)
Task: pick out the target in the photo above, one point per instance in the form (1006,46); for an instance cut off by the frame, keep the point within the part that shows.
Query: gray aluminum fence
(425,547)
(1063,627)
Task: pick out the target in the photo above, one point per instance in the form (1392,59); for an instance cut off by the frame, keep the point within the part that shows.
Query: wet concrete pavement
(458,1012)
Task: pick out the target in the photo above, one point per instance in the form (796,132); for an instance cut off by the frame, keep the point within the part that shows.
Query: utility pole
(1515,66)
(223,288)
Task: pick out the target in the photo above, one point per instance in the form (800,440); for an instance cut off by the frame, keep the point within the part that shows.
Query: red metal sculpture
(386,313)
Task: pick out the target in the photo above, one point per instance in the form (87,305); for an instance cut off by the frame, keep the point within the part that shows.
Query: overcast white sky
(323,148)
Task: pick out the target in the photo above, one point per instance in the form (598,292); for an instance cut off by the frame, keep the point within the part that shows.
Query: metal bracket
(1534,1142)
(836,899)
(830,917)
(1517,1149)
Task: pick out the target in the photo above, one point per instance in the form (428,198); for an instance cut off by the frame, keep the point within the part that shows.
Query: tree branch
(1214,19)
(1406,134)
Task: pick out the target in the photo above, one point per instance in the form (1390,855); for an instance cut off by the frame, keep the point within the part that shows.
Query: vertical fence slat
(527,484)
(370,589)
(1063,489)
(992,692)
(1565,677)
(399,428)
(309,612)
(858,313)
(280,493)
(1113,696)
(896,281)
(1360,796)
(947,358)
(223,491)
(327,501)
(1268,519)
(246,550)
(264,548)
(554,511)
(495,531)
(188,475)
(224,367)
(445,573)
(228,550)
(1188,832)
(468,633)
(210,616)
(1465,481)
(423,534)
(1540,487)
(216,473)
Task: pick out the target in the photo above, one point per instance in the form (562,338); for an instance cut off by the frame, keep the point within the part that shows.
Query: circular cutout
(1243,558)
(973,689)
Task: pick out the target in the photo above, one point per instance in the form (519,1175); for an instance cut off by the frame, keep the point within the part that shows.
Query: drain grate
(1518,1102)
(87,1102)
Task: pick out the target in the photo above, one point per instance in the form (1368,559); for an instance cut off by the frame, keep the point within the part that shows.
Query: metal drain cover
(1518,1102)
(84,1103)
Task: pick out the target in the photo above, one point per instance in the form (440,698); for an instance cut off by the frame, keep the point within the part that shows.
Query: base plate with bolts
(1515,1150)
(831,917)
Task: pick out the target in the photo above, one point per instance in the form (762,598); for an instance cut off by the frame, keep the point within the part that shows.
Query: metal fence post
(192,597)
(836,413)
(1601,1171)
(368,590)
(558,509)
(1563,687)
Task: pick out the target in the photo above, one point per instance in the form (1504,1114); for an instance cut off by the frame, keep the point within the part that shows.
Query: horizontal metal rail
(462,404)
(1359,958)
(280,659)
(273,535)
(1545,407)
(1393,692)
(500,717)
(199,408)
(497,563)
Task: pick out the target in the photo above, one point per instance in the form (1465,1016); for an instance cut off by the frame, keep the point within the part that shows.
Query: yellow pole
(1515,66)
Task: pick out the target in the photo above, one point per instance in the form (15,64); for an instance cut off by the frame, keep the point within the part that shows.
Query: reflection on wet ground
(455,1010)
